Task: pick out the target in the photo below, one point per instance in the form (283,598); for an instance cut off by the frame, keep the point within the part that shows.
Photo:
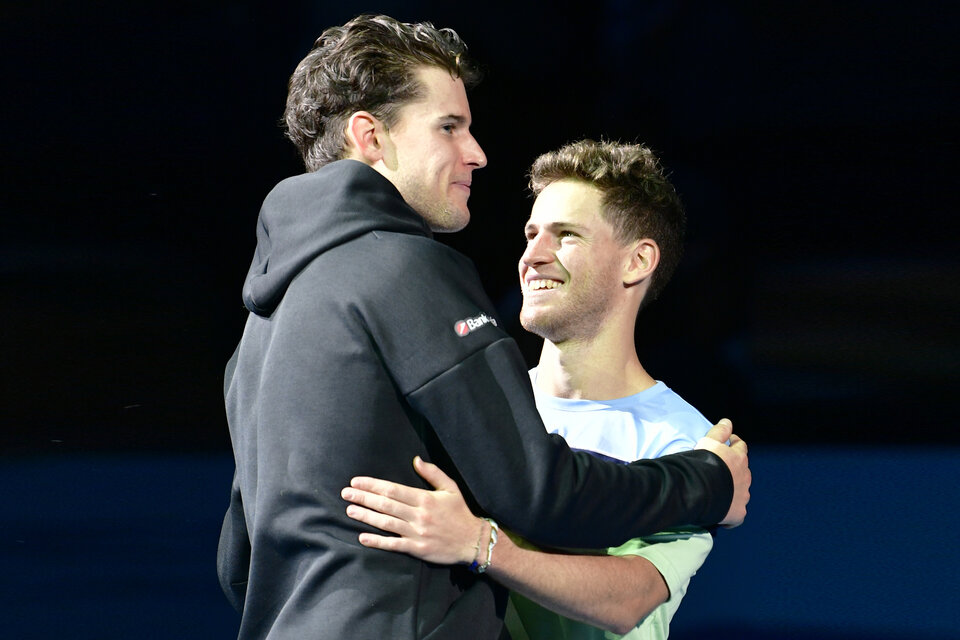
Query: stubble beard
(447,219)
(440,215)
(580,321)
(576,317)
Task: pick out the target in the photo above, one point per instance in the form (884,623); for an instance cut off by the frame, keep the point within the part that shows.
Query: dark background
(817,304)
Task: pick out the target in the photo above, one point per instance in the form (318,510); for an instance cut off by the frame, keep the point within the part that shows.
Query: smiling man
(603,238)
(369,343)
(429,154)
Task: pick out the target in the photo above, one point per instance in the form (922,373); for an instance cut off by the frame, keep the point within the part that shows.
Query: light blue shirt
(648,424)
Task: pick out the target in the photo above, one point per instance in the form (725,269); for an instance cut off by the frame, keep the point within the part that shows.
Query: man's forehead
(443,96)
(565,200)
(557,220)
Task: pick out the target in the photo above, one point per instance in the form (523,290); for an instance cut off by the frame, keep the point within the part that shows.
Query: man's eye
(448,128)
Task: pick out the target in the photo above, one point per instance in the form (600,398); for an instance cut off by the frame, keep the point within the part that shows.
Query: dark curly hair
(638,200)
(368,64)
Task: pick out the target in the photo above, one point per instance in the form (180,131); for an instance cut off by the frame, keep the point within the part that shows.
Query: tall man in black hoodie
(369,343)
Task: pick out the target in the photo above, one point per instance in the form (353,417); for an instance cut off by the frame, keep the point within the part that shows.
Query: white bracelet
(494,529)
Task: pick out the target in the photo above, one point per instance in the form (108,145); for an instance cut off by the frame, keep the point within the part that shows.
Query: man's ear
(643,260)
(365,138)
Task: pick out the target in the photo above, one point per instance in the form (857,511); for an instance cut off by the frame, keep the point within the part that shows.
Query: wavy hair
(638,200)
(368,64)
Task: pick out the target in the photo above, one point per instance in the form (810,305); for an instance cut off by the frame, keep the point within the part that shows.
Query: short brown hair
(368,64)
(638,200)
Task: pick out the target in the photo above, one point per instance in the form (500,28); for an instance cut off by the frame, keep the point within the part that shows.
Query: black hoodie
(369,343)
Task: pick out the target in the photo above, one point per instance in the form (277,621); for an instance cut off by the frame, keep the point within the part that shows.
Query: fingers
(435,476)
(378,503)
(732,449)
(376,519)
(387,543)
(403,493)
(406,534)
(738,443)
(389,490)
(721,431)
(434,525)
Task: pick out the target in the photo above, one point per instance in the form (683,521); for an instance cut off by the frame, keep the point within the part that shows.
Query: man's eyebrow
(559,225)
(453,118)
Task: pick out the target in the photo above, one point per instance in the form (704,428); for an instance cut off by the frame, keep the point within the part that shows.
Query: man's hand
(436,526)
(735,457)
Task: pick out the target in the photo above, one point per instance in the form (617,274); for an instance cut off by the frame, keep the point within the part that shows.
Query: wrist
(474,554)
(480,565)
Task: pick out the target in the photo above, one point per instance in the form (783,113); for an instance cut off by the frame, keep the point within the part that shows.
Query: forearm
(536,486)
(612,592)
(609,592)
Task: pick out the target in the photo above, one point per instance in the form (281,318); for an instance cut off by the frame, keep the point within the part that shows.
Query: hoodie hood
(305,215)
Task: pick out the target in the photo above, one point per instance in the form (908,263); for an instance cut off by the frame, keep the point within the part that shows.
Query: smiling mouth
(541,285)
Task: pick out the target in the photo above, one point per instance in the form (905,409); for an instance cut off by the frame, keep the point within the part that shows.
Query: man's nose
(537,252)
(474,155)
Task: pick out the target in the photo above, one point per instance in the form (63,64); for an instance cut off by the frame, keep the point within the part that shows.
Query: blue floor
(839,543)
(113,547)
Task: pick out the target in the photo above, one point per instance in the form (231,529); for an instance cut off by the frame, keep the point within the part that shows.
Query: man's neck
(592,370)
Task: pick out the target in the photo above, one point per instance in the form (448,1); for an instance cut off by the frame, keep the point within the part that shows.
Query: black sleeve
(484,414)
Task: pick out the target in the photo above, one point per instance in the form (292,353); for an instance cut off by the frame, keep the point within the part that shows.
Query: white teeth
(536,285)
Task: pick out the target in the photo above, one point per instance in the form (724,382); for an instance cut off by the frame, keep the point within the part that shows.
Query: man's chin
(450,221)
(532,324)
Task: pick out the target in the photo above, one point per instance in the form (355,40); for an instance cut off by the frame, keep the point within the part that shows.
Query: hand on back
(435,526)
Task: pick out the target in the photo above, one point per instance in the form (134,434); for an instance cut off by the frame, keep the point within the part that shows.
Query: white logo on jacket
(464,327)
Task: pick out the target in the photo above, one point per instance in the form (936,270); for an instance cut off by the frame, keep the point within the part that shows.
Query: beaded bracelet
(475,566)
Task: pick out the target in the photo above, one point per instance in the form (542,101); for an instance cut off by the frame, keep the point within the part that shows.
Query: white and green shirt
(648,424)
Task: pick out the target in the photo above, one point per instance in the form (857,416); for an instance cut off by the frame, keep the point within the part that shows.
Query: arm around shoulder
(486,419)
